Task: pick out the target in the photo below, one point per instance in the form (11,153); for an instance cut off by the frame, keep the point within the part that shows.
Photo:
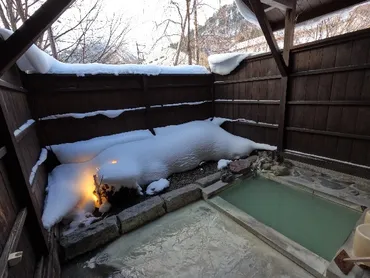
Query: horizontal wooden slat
(12,242)
(329,133)
(238,101)
(253,79)
(331,70)
(7,85)
(330,102)
(266,125)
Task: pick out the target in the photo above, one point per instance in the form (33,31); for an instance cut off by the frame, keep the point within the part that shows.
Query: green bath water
(315,223)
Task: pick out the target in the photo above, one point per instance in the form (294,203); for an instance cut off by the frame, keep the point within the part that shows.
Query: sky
(145,13)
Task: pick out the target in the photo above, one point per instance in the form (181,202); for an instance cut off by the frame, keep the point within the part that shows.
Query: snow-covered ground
(136,163)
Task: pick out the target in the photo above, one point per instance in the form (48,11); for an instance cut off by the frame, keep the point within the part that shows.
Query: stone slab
(210,179)
(141,213)
(192,242)
(214,189)
(181,197)
(89,237)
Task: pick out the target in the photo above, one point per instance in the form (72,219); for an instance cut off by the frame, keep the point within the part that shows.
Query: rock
(89,237)
(354,192)
(181,197)
(242,166)
(266,166)
(288,164)
(227,177)
(280,170)
(141,213)
(331,184)
(209,179)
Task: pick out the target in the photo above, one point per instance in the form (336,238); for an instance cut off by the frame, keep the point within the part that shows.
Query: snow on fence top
(34,60)
(225,63)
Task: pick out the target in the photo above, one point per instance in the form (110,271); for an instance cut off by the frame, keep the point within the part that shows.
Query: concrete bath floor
(195,241)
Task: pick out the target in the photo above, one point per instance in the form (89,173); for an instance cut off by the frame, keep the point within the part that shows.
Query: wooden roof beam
(323,9)
(280,4)
(32,28)
(269,9)
(258,9)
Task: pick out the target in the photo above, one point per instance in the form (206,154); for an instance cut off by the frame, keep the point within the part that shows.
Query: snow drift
(139,163)
(225,63)
(34,60)
(83,151)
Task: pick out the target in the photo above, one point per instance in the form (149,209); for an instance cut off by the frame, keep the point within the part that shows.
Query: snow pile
(223,163)
(42,158)
(23,127)
(138,163)
(225,63)
(83,151)
(246,12)
(157,186)
(34,60)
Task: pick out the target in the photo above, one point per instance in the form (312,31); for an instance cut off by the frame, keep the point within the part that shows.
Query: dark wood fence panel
(9,207)
(328,100)
(153,95)
(250,95)
(18,155)
(27,144)
(328,103)
(70,129)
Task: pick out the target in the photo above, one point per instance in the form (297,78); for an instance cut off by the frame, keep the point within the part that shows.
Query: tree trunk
(52,43)
(188,46)
(3,18)
(178,50)
(196,44)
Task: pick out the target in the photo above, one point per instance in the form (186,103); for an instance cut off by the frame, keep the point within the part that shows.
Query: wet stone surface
(332,184)
(195,241)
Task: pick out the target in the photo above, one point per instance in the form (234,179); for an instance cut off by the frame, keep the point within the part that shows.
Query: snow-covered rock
(138,163)
(223,163)
(225,63)
(157,186)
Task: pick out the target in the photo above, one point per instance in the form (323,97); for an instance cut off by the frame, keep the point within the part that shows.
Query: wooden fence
(155,101)
(21,200)
(327,105)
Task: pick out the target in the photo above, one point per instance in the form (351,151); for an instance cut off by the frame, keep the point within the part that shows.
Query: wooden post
(21,187)
(147,103)
(267,31)
(32,28)
(288,43)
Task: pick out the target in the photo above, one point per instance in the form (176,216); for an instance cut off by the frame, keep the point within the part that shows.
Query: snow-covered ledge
(34,60)
(225,63)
